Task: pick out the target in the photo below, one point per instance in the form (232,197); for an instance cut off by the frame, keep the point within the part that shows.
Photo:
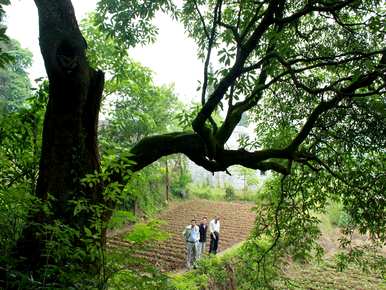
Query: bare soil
(236,220)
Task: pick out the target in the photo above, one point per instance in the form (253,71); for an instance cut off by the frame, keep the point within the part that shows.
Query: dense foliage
(5,57)
(21,119)
(310,76)
(135,108)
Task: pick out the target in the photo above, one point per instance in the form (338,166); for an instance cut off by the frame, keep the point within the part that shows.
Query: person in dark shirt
(203,227)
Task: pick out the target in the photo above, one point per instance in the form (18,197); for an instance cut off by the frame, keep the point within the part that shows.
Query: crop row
(236,222)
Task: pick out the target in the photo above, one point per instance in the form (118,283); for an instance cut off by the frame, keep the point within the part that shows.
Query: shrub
(14,205)
(337,216)
(334,211)
(203,191)
(345,220)
(179,184)
(119,218)
(230,193)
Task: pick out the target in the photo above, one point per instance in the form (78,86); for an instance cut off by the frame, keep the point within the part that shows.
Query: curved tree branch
(150,149)
(219,92)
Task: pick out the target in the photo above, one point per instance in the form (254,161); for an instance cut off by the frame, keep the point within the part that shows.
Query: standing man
(192,235)
(214,229)
(203,227)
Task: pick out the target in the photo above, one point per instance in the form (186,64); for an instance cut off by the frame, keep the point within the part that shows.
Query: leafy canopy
(310,74)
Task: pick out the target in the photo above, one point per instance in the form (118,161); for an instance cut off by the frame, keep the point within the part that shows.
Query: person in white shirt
(192,235)
(214,229)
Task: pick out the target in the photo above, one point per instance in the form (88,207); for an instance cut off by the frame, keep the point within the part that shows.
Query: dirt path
(236,223)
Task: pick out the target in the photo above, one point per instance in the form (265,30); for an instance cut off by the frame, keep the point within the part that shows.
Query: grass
(302,276)
(203,191)
(325,276)
(209,269)
(226,254)
(322,275)
(315,275)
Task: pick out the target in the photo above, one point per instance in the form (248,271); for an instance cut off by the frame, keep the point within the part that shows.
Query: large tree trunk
(69,149)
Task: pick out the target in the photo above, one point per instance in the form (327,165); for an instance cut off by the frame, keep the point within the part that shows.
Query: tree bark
(167,180)
(69,149)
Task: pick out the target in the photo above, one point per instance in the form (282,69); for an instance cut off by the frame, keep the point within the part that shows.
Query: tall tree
(21,118)
(69,149)
(4,56)
(15,84)
(136,107)
(315,58)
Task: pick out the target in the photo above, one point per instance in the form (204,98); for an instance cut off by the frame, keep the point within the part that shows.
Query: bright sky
(172,58)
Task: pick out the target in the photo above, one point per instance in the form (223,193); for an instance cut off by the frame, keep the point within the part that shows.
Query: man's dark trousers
(214,243)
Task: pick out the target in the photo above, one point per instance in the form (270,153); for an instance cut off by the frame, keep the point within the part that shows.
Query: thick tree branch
(221,89)
(235,112)
(152,148)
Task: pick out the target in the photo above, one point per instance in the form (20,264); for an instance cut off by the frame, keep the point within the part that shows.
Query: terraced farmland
(236,223)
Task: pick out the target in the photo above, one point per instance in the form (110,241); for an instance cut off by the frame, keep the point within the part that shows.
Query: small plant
(230,193)
(334,211)
(119,218)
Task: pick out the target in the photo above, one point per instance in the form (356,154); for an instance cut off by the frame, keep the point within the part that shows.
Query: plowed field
(236,223)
